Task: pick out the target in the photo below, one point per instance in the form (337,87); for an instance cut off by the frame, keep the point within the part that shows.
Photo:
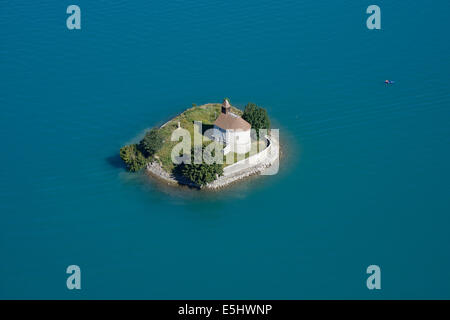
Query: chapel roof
(228,120)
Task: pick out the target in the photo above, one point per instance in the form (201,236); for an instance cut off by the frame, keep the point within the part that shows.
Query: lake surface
(364,178)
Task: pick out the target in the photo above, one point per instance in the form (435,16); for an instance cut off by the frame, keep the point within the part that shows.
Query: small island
(224,144)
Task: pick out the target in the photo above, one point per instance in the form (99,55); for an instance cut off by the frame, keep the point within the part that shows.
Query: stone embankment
(255,164)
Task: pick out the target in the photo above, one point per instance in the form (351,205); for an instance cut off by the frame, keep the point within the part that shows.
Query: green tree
(151,143)
(257,117)
(202,173)
(133,157)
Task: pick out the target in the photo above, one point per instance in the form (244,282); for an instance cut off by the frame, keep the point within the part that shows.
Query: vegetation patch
(257,117)
(133,157)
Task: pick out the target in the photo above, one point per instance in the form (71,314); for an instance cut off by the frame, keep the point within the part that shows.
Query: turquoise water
(364,178)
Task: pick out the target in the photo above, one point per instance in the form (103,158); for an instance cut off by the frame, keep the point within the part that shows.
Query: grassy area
(257,146)
(207,114)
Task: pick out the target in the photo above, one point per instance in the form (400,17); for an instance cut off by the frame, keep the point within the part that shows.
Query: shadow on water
(115,161)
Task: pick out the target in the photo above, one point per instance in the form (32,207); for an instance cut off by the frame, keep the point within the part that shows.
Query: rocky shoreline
(155,170)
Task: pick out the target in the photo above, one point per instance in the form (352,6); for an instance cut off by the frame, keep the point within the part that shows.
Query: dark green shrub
(151,143)
(257,117)
(133,157)
(203,173)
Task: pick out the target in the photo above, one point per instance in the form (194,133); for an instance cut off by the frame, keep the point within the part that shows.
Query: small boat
(389,81)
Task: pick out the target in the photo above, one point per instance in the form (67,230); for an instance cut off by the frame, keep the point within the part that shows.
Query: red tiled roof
(231,121)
